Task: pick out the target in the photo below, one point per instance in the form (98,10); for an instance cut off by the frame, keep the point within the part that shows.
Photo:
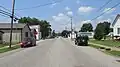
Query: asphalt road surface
(58,52)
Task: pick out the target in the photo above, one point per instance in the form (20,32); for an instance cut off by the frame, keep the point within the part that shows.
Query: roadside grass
(111,43)
(7,44)
(109,52)
(113,52)
(9,49)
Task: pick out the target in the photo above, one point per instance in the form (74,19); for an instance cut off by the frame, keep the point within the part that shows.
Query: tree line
(45,27)
(101,31)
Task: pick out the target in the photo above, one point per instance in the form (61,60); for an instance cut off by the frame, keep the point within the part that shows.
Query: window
(118,30)
(26,34)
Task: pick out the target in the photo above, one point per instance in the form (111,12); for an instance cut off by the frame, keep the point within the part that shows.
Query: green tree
(102,30)
(87,27)
(65,33)
(106,28)
(53,33)
(45,27)
(99,31)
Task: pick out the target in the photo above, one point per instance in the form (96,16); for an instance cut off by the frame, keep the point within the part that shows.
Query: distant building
(73,35)
(89,34)
(20,31)
(116,26)
(37,29)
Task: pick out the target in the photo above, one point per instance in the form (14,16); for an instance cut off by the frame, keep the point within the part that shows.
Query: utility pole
(12,19)
(71,27)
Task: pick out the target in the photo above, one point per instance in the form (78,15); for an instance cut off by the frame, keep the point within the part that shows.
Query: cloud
(70,13)
(61,20)
(109,10)
(85,9)
(86,21)
(53,5)
(67,8)
(101,21)
(78,1)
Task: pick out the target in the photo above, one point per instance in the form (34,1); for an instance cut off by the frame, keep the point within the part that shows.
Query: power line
(104,5)
(39,5)
(7,14)
(106,11)
(9,11)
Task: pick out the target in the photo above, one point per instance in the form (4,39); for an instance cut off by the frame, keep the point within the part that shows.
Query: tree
(99,32)
(53,33)
(45,27)
(87,27)
(65,33)
(102,30)
(106,28)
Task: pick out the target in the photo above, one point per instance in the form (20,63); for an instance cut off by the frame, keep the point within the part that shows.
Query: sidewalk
(113,48)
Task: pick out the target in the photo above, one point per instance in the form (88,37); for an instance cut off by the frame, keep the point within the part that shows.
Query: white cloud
(85,9)
(61,20)
(101,21)
(78,1)
(86,21)
(70,13)
(67,8)
(54,4)
(109,10)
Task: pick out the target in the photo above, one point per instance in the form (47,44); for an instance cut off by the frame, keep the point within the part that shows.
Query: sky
(58,14)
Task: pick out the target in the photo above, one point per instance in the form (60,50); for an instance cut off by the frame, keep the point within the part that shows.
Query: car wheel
(22,46)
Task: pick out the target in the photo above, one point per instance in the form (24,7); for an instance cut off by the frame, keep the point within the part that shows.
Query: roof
(118,16)
(8,25)
(1,31)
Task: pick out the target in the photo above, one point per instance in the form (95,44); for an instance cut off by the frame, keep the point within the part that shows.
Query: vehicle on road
(28,42)
(82,40)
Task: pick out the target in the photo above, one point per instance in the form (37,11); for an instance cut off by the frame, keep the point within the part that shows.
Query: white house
(89,34)
(37,28)
(73,35)
(116,26)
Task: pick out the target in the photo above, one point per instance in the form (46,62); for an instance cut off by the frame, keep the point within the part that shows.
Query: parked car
(82,40)
(28,42)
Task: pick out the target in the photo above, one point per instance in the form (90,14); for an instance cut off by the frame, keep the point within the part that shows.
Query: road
(58,52)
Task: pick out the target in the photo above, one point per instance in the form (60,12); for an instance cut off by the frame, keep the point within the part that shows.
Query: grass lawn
(9,49)
(2,45)
(106,42)
(111,52)
(7,44)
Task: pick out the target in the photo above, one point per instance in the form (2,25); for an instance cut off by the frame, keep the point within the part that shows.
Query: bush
(108,49)
(98,36)
(102,47)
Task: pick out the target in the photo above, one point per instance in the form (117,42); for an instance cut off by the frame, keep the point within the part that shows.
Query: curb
(116,49)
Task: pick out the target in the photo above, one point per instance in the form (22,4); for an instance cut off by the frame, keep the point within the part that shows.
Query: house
(89,34)
(73,35)
(20,31)
(116,26)
(36,28)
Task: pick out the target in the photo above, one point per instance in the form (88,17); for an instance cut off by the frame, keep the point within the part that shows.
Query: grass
(110,52)
(110,43)
(95,46)
(9,49)
(113,52)
(7,44)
